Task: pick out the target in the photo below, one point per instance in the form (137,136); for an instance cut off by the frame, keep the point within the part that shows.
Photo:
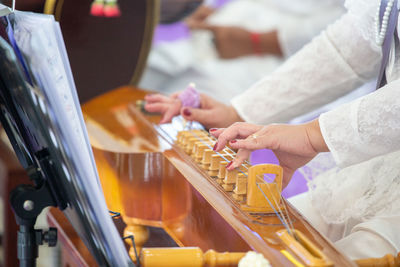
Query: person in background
(252,35)
(357,204)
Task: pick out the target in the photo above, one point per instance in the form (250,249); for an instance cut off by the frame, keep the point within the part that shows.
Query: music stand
(32,129)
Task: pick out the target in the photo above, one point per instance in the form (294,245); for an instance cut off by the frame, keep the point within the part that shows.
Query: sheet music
(40,40)
(36,36)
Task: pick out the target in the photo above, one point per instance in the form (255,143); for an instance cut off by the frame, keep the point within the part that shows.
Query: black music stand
(32,129)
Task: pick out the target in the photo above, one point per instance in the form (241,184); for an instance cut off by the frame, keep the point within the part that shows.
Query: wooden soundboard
(154,180)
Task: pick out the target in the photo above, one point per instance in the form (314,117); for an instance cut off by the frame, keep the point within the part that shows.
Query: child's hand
(167,106)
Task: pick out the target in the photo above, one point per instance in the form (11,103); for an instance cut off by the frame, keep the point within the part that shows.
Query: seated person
(256,35)
(357,204)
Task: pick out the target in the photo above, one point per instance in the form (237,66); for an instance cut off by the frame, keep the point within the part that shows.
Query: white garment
(173,65)
(363,136)
(353,237)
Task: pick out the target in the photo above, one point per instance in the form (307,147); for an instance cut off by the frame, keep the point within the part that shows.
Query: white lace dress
(357,204)
(173,65)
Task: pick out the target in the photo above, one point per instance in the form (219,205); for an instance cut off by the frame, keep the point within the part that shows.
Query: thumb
(203,26)
(287,176)
(196,114)
(168,116)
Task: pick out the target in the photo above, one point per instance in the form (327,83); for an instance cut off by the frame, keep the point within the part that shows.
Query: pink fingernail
(233,141)
(215,146)
(229,164)
(187,112)
(213,129)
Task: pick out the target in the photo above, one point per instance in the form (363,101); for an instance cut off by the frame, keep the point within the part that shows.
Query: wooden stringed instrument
(154,179)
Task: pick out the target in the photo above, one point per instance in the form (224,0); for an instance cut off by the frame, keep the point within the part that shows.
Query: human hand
(293,145)
(167,106)
(197,19)
(233,42)
(211,113)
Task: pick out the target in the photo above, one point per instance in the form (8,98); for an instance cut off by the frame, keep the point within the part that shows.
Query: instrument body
(100,47)
(151,181)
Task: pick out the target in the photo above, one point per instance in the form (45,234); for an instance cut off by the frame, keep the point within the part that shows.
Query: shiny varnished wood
(74,251)
(153,182)
(99,47)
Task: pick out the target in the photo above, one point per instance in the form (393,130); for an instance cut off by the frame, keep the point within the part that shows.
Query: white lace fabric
(333,64)
(365,128)
(363,16)
(363,136)
(361,191)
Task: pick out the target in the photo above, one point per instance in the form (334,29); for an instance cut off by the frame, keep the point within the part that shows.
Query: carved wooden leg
(176,230)
(140,233)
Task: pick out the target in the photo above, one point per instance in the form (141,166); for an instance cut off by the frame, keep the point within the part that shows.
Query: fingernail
(229,164)
(187,112)
(215,146)
(233,141)
(213,129)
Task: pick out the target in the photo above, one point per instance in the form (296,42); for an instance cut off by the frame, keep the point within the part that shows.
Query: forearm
(365,128)
(268,44)
(327,68)
(315,136)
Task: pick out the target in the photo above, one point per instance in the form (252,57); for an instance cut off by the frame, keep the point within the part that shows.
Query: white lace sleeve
(363,16)
(333,64)
(291,39)
(365,128)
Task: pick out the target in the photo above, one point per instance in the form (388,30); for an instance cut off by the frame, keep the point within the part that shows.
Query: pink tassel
(104,9)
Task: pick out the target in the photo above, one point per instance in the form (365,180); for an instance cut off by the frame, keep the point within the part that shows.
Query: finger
(236,130)
(156,98)
(287,176)
(254,142)
(176,95)
(156,107)
(204,116)
(169,114)
(241,156)
(202,26)
(216,131)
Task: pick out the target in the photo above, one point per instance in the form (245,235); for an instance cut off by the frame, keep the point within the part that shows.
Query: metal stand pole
(27,203)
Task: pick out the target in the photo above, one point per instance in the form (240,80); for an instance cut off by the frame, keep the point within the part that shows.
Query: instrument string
(281,208)
(283,221)
(260,178)
(286,211)
(272,206)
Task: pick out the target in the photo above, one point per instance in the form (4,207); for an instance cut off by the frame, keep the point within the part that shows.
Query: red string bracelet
(256,42)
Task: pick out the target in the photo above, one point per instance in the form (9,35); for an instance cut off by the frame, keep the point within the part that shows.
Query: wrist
(255,39)
(234,115)
(315,136)
(268,43)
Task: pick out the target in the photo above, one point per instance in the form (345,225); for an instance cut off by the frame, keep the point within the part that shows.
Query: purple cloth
(170,32)
(176,31)
(190,97)
(296,186)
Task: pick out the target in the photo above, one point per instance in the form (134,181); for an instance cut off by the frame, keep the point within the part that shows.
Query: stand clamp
(27,203)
